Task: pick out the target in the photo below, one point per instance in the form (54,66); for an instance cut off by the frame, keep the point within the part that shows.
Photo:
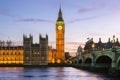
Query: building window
(27,58)
(43,58)
(3,53)
(15,53)
(38,53)
(34,52)
(19,53)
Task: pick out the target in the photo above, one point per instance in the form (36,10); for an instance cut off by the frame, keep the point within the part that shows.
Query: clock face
(59,27)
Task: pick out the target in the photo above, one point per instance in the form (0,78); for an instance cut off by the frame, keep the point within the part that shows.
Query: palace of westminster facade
(35,54)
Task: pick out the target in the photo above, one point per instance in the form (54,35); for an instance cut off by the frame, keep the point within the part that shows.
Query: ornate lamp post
(93,46)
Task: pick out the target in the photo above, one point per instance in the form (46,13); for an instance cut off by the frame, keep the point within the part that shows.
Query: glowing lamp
(58,61)
(53,61)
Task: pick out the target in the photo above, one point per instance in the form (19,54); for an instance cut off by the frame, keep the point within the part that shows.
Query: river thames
(49,73)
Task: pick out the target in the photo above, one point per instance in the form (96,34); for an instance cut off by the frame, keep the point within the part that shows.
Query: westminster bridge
(108,59)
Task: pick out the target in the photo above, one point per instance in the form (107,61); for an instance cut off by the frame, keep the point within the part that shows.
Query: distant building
(79,51)
(91,45)
(67,55)
(35,54)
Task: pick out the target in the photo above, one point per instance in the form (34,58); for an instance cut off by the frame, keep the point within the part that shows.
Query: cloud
(82,19)
(6,12)
(112,6)
(86,10)
(95,6)
(34,20)
(87,18)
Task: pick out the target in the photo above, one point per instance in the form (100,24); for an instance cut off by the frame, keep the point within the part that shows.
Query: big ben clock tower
(60,30)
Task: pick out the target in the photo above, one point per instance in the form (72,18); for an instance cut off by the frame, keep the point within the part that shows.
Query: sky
(83,19)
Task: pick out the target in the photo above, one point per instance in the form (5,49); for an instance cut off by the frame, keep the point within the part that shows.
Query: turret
(99,40)
(109,40)
(117,40)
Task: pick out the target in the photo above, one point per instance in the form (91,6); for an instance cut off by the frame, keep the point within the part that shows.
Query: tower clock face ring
(60,27)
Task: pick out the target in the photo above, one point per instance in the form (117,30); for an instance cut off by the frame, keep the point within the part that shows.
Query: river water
(49,73)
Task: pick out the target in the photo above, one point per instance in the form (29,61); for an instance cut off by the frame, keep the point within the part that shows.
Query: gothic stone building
(91,45)
(35,54)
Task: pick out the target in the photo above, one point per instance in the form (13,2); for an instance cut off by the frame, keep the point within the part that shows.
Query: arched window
(3,53)
(7,53)
(11,53)
(18,53)
(15,53)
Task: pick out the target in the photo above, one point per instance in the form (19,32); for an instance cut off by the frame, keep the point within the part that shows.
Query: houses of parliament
(35,54)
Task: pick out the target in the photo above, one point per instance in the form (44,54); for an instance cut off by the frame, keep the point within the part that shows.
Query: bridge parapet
(96,53)
(118,50)
(87,56)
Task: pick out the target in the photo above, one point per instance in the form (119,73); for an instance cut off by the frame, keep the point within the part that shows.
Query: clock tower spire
(60,15)
(60,30)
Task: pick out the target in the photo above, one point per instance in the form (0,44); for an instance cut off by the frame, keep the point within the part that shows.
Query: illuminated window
(53,60)
(34,53)
(18,53)
(43,58)
(35,58)
(27,58)
(38,52)
(58,61)
(15,53)
(7,53)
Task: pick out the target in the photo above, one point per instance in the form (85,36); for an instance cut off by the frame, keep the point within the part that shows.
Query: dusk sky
(83,19)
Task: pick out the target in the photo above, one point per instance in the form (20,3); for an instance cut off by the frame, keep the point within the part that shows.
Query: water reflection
(51,73)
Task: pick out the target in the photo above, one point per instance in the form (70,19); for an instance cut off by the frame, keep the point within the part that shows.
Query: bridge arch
(88,62)
(103,55)
(103,61)
(80,61)
(118,63)
(75,62)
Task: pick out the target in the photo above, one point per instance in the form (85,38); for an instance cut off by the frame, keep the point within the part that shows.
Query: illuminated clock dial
(59,27)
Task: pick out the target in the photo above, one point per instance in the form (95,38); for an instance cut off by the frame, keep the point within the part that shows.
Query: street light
(58,61)
(93,46)
(83,50)
(53,61)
